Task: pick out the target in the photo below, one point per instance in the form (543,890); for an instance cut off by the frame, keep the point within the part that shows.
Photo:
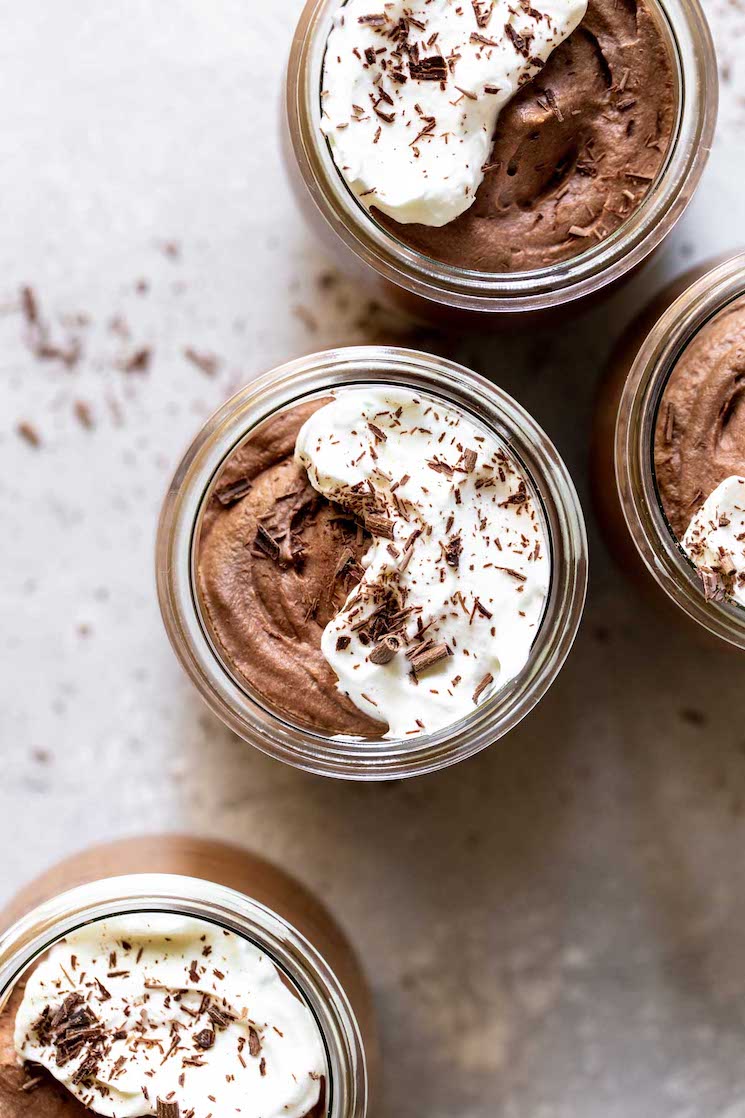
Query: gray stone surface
(556,928)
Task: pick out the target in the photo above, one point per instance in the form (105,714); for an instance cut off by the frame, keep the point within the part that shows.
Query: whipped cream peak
(412,90)
(715,541)
(452,589)
(139,1011)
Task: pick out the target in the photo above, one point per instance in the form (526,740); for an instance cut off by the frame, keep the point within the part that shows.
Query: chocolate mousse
(162,1015)
(700,432)
(373,564)
(575,151)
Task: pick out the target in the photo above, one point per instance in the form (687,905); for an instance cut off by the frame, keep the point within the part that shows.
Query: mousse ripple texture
(154,1014)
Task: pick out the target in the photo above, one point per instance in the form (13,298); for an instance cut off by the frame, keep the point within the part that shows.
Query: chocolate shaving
(470,458)
(379,526)
(207,363)
(433,69)
(453,552)
(511,571)
(229,494)
(518,42)
(385,650)
(482,11)
(427,656)
(254,1043)
(139,361)
(167,1109)
(713,589)
(204,1039)
(267,544)
(342,643)
(485,682)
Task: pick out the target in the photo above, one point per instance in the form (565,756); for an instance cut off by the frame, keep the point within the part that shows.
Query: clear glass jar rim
(634,447)
(698,85)
(348,758)
(45,925)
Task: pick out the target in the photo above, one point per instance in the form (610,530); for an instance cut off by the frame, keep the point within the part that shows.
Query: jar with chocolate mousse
(669,450)
(484,160)
(164,995)
(372,563)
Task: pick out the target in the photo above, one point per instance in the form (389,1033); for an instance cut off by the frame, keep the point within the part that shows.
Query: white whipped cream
(460,548)
(416,149)
(149,980)
(715,541)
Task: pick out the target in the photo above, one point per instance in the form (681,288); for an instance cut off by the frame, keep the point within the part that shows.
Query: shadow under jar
(404,270)
(74,900)
(270,712)
(670,412)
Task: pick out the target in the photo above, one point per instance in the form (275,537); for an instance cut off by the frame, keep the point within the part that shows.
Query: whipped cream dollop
(144,1010)
(455,581)
(412,90)
(715,541)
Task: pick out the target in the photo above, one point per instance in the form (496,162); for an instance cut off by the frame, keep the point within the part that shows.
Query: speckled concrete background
(556,928)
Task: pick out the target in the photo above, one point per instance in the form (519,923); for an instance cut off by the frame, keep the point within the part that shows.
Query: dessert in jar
(172,996)
(497,158)
(380,553)
(670,449)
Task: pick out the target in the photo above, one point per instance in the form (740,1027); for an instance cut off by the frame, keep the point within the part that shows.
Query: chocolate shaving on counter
(138,362)
(29,433)
(207,363)
(385,650)
(485,682)
(229,494)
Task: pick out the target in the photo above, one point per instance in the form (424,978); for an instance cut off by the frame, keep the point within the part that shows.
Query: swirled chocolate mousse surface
(575,151)
(275,565)
(700,434)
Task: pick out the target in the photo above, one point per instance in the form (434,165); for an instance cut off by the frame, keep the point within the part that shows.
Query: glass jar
(429,289)
(191,489)
(624,481)
(298,961)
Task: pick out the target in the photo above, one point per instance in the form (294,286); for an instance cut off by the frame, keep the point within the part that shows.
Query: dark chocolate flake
(229,494)
(485,682)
